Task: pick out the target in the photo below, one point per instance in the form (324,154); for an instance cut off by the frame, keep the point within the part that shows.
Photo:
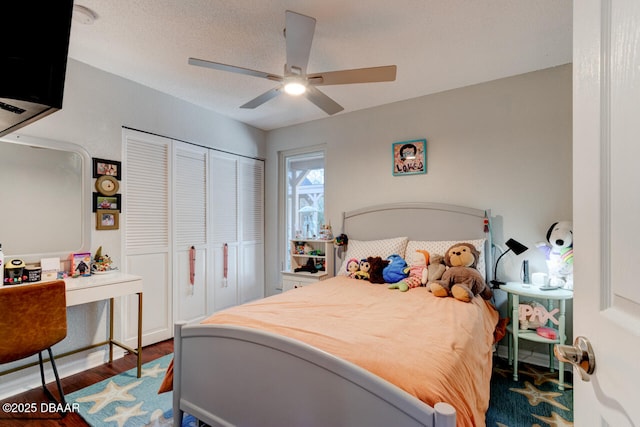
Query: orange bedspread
(437,349)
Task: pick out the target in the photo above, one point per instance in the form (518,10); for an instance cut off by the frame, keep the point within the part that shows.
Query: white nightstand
(514,291)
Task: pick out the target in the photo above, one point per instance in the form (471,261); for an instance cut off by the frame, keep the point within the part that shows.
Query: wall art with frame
(409,157)
(107,202)
(107,219)
(103,167)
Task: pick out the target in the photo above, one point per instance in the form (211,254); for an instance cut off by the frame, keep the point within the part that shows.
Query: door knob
(580,355)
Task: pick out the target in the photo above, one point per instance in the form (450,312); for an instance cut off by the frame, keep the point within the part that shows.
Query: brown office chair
(33,318)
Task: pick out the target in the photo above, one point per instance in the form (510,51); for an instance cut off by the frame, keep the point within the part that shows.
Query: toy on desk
(558,250)
(101,264)
(14,272)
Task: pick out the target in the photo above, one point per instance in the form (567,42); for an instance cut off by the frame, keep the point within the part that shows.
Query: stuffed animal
(394,272)
(376,265)
(436,268)
(353,265)
(417,272)
(363,270)
(461,280)
(558,250)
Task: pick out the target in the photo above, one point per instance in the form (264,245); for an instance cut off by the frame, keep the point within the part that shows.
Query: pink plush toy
(353,265)
(417,272)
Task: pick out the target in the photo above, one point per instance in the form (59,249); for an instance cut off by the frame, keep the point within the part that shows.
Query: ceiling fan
(299,31)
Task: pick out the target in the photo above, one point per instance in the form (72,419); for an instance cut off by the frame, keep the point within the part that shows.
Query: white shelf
(292,279)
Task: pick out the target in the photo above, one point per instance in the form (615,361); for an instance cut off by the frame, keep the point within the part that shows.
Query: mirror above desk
(45,198)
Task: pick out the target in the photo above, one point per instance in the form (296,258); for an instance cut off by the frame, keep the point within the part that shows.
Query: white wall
(503,145)
(96,106)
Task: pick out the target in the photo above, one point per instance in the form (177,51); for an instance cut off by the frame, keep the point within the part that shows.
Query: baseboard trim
(531,357)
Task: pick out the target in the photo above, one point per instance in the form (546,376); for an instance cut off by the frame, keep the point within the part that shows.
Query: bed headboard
(420,221)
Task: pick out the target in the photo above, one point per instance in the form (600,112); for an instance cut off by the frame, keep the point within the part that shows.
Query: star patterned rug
(532,401)
(128,401)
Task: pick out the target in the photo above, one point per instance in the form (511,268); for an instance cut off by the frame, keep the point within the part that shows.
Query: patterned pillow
(360,249)
(441,246)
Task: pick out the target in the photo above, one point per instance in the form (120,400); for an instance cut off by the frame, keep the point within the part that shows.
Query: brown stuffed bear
(461,280)
(376,265)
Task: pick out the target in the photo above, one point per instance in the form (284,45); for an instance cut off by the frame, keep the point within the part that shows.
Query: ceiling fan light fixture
(295,86)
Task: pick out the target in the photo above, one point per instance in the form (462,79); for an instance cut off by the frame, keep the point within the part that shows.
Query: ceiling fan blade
(233,69)
(360,75)
(299,31)
(261,99)
(325,103)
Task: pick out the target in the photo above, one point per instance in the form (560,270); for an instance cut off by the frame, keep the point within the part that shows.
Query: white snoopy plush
(558,250)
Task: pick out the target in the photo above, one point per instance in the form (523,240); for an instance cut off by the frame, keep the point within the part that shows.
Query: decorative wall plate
(107,185)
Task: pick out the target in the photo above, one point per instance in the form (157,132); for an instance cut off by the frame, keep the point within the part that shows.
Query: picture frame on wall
(409,157)
(106,202)
(107,219)
(103,167)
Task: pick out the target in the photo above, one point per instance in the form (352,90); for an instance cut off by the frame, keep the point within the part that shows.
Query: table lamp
(517,249)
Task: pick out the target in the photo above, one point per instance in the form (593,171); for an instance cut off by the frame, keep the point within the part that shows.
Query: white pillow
(440,247)
(360,249)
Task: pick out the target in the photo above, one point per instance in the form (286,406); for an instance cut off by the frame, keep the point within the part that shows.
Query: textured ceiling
(436,44)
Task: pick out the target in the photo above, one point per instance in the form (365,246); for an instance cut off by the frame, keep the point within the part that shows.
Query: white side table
(514,291)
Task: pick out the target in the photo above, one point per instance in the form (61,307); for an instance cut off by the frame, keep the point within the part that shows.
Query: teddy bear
(376,265)
(363,270)
(417,272)
(461,280)
(394,271)
(558,251)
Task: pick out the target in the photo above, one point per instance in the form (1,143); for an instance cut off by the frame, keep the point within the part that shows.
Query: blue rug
(533,400)
(127,401)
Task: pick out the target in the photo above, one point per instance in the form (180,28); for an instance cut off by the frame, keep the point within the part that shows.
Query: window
(303,205)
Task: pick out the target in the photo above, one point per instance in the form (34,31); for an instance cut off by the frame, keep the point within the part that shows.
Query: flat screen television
(33,59)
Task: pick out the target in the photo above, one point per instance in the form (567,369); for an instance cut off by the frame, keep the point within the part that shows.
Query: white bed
(227,375)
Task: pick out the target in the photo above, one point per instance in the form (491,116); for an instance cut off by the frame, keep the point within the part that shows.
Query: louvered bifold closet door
(147,233)
(190,225)
(251,280)
(223,190)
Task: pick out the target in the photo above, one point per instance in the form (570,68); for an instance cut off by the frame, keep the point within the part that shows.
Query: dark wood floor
(73,383)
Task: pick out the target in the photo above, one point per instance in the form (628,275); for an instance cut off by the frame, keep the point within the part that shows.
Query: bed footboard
(228,375)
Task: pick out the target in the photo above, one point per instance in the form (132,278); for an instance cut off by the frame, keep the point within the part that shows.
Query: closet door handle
(192,267)
(225,266)
(192,264)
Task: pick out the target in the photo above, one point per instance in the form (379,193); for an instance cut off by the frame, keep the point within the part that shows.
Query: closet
(193,229)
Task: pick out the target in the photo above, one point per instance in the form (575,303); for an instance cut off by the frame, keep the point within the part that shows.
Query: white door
(251,272)
(606,210)
(225,226)
(147,234)
(190,292)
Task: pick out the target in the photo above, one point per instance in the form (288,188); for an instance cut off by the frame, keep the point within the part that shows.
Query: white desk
(83,290)
(515,291)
